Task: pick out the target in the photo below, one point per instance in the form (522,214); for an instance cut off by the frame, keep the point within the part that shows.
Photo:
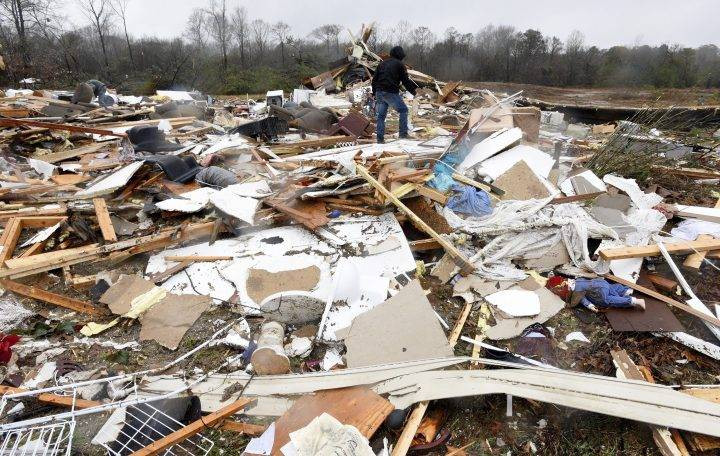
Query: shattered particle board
(657,317)
(167,321)
(527,118)
(507,328)
(119,297)
(426,212)
(261,283)
(521,183)
(357,406)
(403,328)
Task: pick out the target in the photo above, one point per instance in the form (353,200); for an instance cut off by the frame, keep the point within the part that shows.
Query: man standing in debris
(386,89)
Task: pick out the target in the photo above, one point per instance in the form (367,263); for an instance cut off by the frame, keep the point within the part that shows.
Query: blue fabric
(383,100)
(469,200)
(602,293)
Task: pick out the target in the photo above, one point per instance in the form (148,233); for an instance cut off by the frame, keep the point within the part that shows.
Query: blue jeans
(602,293)
(382,101)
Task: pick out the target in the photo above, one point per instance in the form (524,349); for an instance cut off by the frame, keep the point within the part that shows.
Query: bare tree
(219,28)
(100,14)
(25,17)
(120,9)
(260,32)
(281,31)
(327,33)
(195,29)
(574,47)
(240,29)
(402,33)
(423,39)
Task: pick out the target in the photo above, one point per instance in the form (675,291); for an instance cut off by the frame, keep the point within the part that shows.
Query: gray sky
(604,22)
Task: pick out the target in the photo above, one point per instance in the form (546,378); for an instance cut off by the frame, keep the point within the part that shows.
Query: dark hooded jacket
(391,72)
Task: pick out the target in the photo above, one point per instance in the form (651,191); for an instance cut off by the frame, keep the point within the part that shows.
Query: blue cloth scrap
(470,200)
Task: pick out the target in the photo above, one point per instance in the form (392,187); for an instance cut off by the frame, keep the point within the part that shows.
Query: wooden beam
(433,194)
(620,253)
(51,298)
(103,218)
(160,277)
(72,153)
(677,304)
(695,259)
(9,239)
(424,244)
(54,126)
(193,428)
(54,399)
(458,256)
(243,428)
(662,436)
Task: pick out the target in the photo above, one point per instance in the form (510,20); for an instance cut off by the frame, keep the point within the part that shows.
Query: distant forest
(224,50)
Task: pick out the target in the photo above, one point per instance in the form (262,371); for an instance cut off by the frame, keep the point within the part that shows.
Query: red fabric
(559,286)
(7,341)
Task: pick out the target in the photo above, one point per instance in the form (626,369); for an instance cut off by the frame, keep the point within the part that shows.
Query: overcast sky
(604,22)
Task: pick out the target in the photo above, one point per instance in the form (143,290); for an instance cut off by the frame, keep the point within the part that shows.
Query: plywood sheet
(357,406)
(657,316)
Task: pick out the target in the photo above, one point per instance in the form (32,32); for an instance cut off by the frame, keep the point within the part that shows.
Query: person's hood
(397,52)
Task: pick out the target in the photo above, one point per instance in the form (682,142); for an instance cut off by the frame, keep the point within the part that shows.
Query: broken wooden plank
(310,214)
(243,428)
(447,245)
(708,214)
(424,244)
(662,436)
(619,253)
(72,153)
(286,149)
(193,428)
(9,239)
(52,298)
(103,218)
(684,307)
(54,126)
(433,194)
(54,399)
(160,277)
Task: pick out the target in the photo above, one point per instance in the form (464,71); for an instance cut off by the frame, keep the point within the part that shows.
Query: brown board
(657,315)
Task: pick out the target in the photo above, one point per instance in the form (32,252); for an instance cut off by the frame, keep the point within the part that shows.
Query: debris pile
(181,271)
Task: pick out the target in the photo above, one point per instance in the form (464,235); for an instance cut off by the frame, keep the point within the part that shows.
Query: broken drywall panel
(354,291)
(45,169)
(192,201)
(540,162)
(257,277)
(507,328)
(220,143)
(167,321)
(493,144)
(256,189)
(42,235)
(641,199)
(403,328)
(521,183)
(582,181)
(112,182)
(475,284)
(378,242)
(119,297)
(240,207)
(515,302)
(555,256)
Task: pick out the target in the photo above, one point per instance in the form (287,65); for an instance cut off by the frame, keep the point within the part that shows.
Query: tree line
(223,49)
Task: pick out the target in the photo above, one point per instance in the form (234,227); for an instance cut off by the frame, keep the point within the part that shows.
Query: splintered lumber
(695,173)
(22,267)
(54,399)
(52,298)
(103,218)
(424,244)
(695,260)
(433,194)
(286,149)
(467,266)
(160,277)
(684,307)
(698,441)
(193,428)
(662,436)
(71,153)
(619,253)
(54,126)
(9,239)
(413,422)
(243,428)
(310,214)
